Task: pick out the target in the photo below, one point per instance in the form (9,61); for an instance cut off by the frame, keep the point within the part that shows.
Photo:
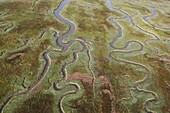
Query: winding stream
(120,33)
(145,18)
(145,79)
(110,6)
(65,47)
(71,26)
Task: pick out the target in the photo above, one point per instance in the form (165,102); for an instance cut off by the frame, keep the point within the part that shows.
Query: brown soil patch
(15,56)
(105,90)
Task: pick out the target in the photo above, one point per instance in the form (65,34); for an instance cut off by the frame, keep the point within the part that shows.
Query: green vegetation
(102,79)
(43,104)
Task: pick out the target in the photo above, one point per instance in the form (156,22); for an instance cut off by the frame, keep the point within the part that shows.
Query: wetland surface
(84,56)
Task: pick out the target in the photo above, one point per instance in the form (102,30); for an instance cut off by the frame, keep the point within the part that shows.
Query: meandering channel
(145,79)
(65,47)
(145,18)
(152,15)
